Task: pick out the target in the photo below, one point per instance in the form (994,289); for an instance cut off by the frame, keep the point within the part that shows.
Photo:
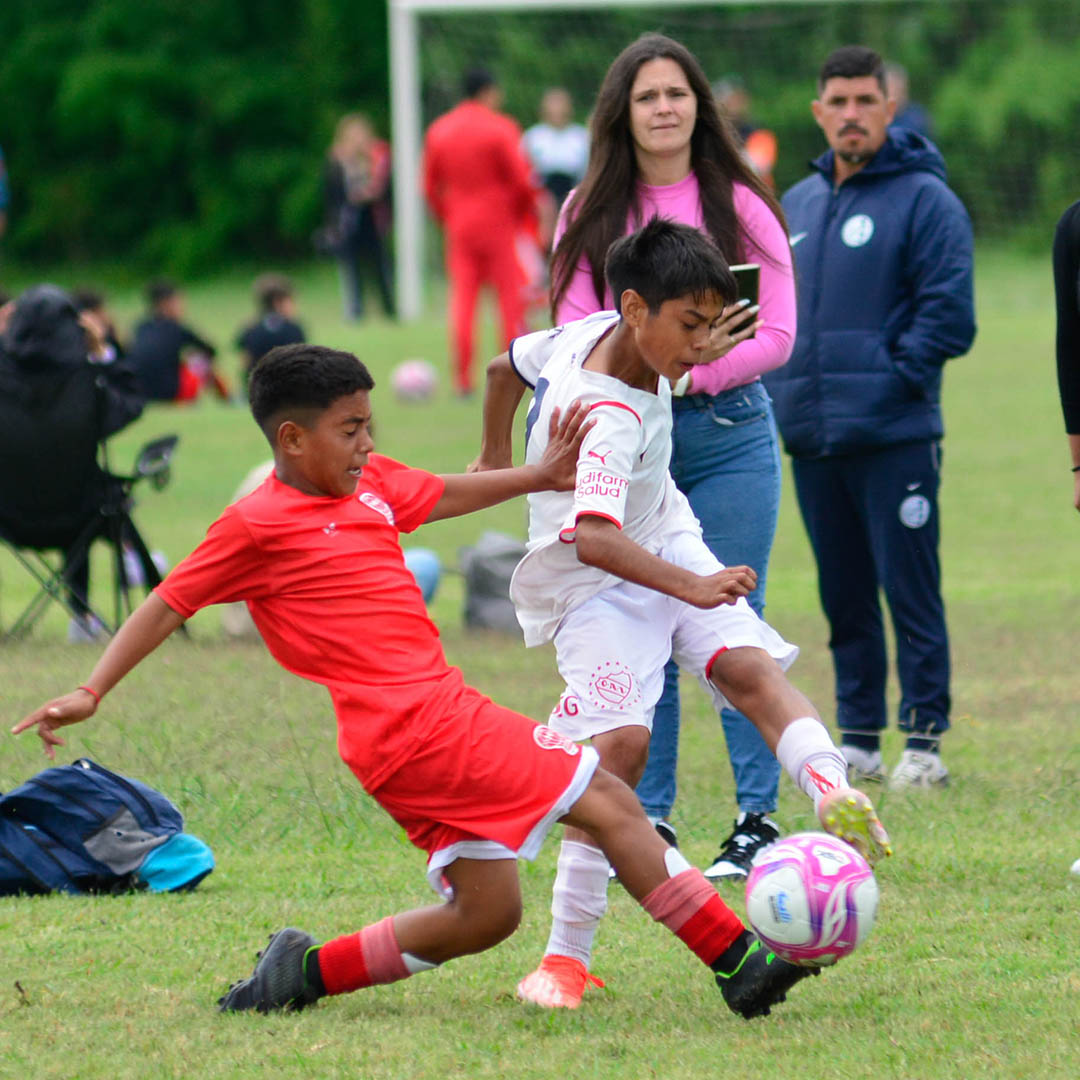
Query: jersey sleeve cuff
(568,534)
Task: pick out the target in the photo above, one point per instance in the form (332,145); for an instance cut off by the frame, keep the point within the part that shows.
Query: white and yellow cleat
(850,815)
(558,983)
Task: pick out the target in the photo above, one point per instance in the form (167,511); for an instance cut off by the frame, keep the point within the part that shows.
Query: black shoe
(278,981)
(758,979)
(751,833)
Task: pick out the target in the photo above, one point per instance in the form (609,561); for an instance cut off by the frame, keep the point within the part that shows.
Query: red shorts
(488,783)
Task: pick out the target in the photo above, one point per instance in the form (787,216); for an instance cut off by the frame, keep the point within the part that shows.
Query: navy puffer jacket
(884,275)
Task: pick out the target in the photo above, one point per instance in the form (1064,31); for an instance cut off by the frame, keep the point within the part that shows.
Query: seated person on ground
(276,323)
(172,362)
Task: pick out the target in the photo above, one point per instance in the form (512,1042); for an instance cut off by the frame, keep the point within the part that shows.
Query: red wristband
(92,692)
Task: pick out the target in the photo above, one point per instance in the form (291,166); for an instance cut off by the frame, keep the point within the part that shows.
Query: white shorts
(612,648)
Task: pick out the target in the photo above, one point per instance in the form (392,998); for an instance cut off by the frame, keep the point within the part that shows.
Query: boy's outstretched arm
(149,625)
(601,543)
(556,470)
(503,392)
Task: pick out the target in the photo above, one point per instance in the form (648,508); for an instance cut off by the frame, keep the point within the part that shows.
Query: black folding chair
(50,558)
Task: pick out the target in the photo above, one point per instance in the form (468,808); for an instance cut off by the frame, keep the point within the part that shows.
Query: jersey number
(534,409)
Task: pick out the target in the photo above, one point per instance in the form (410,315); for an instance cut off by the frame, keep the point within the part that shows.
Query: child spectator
(315,551)
(275,302)
(91,307)
(172,362)
(617,573)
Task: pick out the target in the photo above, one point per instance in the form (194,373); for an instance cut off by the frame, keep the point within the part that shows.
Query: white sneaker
(863,765)
(918,769)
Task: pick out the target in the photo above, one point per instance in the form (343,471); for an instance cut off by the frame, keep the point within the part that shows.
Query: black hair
(302,380)
(666,260)
(852,62)
(161,289)
(88,299)
(475,80)
(269,289)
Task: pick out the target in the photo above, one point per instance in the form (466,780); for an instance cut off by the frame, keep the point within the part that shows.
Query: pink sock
(368,958)
(693,911)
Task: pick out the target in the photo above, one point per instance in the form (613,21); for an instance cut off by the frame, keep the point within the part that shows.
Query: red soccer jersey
(327,586)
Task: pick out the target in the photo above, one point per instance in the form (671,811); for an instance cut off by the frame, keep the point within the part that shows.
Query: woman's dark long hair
(599,209)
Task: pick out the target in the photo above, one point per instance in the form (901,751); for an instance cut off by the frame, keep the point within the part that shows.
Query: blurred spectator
(5,195)
(356,188)
(759,143)
(558,150)
(909,114)
(479,186)
(172,362)
(91,305)
(7,305)
(59,399)
(275,303)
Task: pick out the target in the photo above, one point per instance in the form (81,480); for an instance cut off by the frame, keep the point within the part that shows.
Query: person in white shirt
(557,147)
(617,574)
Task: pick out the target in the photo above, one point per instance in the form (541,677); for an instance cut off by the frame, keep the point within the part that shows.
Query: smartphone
(747,275)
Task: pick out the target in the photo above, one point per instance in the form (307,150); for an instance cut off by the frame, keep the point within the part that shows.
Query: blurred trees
(177,133)
(174,133)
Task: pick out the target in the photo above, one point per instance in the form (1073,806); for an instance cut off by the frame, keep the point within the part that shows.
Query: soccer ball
(413,380)
(811,898)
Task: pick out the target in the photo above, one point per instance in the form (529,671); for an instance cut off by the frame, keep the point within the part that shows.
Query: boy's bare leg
(755,684)
(295,971)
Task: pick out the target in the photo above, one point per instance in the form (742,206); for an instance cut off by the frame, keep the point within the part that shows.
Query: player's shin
(579,900)
(368,958)
(811,759)
(692,910)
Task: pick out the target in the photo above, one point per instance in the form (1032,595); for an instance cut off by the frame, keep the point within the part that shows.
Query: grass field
(972,971)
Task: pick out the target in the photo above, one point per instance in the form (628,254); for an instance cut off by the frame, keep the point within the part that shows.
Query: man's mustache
(850,129)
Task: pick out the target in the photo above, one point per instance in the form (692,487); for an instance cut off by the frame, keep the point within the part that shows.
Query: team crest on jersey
(549,739)
(857,230)
(614,684)
(380,506)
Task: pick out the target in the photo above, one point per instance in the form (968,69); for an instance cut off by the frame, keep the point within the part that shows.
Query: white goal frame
(406,140)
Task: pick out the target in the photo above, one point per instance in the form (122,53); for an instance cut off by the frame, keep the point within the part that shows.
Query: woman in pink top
(660,147)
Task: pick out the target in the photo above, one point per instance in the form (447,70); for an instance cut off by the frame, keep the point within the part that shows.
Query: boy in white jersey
(618,575)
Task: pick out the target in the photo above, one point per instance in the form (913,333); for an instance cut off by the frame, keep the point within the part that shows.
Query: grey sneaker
(278,980)
(750,834)
(863,766)
(918,769)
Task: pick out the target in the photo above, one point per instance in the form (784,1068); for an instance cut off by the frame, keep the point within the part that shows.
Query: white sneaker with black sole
(751,833)
(918,769)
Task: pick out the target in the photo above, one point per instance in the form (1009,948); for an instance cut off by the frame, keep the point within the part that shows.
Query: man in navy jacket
(883,256)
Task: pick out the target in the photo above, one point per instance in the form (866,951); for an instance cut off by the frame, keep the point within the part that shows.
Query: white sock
(578,901)
(811,759)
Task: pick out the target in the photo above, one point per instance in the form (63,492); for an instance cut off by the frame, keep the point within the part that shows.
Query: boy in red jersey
(315,553)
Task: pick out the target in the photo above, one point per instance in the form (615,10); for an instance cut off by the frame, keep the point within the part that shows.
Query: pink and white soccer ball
(414,380)
(811,898)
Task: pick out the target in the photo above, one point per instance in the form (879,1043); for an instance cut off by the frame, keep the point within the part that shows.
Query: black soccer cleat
(758,980)
(278,981)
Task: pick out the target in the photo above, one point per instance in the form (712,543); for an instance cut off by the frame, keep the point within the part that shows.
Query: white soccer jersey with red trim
(622,471)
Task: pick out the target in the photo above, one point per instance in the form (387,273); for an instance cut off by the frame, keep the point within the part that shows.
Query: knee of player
(744,671)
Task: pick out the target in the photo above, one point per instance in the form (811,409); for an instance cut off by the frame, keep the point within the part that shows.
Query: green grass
(972,970)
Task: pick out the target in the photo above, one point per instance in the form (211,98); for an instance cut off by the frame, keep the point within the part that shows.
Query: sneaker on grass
(918,769)
(863,766)
(751,833)
(756,979)
(278,980)
(558,983)
(849,814)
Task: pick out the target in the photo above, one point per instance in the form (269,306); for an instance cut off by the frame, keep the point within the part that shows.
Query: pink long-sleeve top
(766,243)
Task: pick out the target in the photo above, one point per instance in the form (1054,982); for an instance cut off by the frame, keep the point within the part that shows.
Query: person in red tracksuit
(479,186)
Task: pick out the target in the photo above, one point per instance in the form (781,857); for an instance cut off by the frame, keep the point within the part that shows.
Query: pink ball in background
(414,380)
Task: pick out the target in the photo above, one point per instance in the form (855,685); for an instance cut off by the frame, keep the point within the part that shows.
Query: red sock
(692,910)
(365,959)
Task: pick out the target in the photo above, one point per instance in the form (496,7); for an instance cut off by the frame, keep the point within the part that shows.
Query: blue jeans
(726,460)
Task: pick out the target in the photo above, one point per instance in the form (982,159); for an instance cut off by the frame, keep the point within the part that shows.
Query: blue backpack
(80,828)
